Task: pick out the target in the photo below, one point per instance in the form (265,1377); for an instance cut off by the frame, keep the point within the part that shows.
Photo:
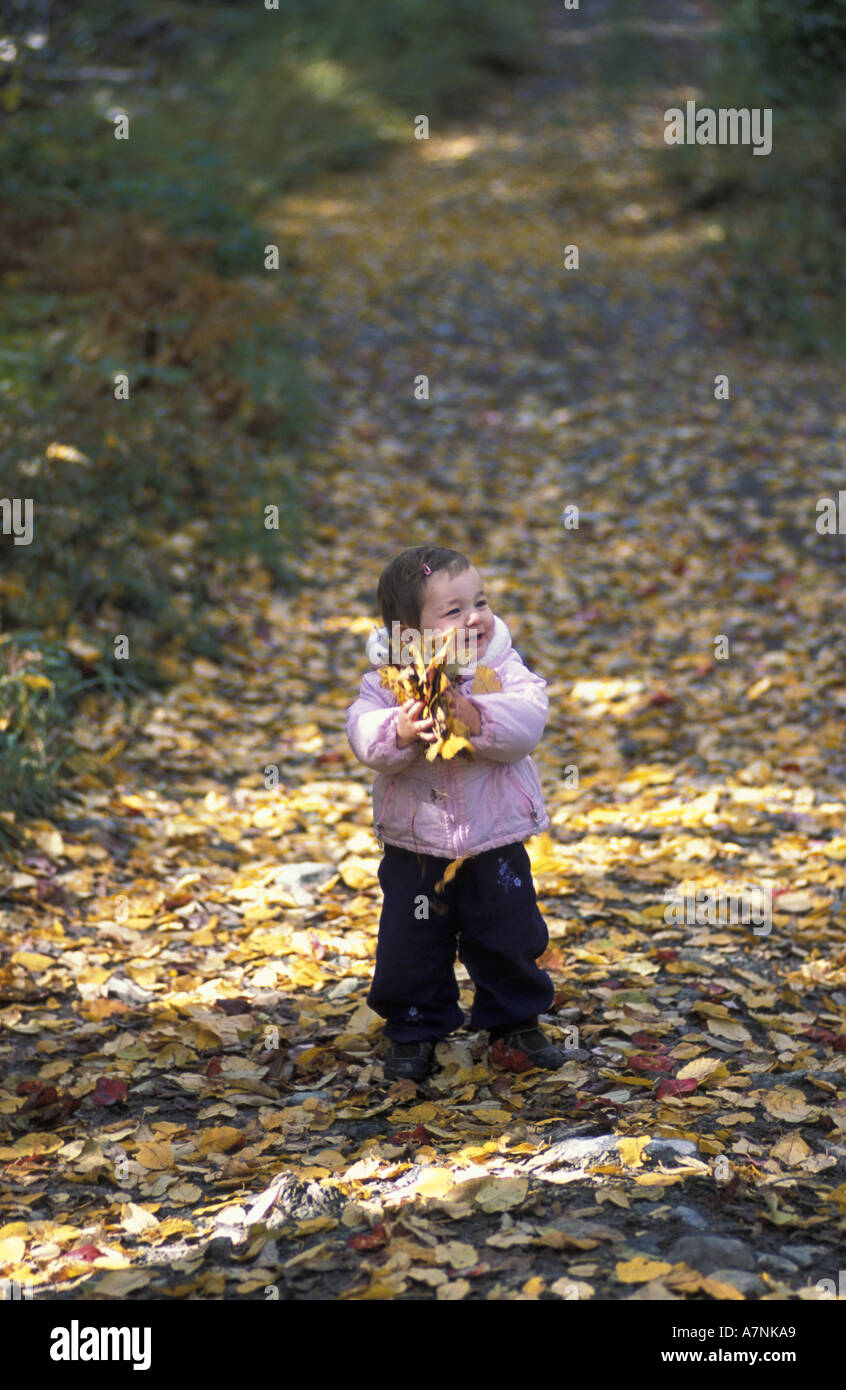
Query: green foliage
(778,268)
(38,682)
(145,257)
(800,46)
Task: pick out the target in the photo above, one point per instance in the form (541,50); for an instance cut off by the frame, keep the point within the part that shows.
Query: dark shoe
(409,1061)
(537,1047)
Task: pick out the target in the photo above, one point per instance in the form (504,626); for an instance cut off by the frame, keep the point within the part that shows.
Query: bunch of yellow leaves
(431,685)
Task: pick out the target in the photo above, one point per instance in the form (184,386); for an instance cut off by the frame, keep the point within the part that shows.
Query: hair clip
(426,569)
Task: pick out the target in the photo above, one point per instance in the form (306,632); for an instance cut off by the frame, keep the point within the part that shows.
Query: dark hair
(401,582)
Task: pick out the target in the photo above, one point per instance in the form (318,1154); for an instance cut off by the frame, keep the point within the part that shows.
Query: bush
(38,682)
(800,46)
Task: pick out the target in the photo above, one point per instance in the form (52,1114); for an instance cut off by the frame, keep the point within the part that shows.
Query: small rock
(690,1217)
(220,1248)
(707,1253)
(294,877)
(295,1200)
(287,875)
(574,1152)
(740,1279)
(802,1255)
(128,991)
(671,1149)
(775,1264)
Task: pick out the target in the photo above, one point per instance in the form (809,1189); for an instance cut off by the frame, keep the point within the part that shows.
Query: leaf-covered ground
(193,1102)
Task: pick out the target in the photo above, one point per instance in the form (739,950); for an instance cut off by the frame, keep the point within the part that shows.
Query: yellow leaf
(435,1182)
(357,872)
(457,1254)
(449,873)
(719,1290)
(795,902)
(703,1067)
(184,1194)
(631,1150)
(727,1028)
(612,1194)
(135,1219)
(113,1260)
(156,1155)
(12,1249)
(640,1270)
(67,453)
(791,1150)
(33,1144)
(332,1159)
(789,1104)
(32,960)
(21,1228)
(759,688)
(418,1113)
(501,1194)
(456,1289)
(219,1139)
(485,681)
(122,1282)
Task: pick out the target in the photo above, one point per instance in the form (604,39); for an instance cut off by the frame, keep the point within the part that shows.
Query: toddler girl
(428,814)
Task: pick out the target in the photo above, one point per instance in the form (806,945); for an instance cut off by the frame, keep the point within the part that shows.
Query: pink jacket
(450,808)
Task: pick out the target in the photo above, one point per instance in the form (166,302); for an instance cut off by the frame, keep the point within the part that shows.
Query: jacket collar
(378,647)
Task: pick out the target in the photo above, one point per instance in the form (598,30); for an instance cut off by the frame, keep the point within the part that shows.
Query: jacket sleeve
(372,728)
(514,718)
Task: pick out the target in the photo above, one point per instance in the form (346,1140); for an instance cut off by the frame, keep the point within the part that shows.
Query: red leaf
(819,1035)
(676,1088)
(39,1096)
(644,1040)
(656,1062)
(370,1240)
(660,696)
(330,758)
(214,1068)
(108,1090)
(823,1035)
(509,1058)
(668,954)
(417,1135)
(84,1252)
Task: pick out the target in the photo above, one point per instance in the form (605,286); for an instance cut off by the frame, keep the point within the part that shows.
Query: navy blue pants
(491,916)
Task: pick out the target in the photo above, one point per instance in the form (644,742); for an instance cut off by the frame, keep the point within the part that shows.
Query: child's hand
(466,710)
(409,727)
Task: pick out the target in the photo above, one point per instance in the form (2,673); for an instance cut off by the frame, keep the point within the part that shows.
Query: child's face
(457,602)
